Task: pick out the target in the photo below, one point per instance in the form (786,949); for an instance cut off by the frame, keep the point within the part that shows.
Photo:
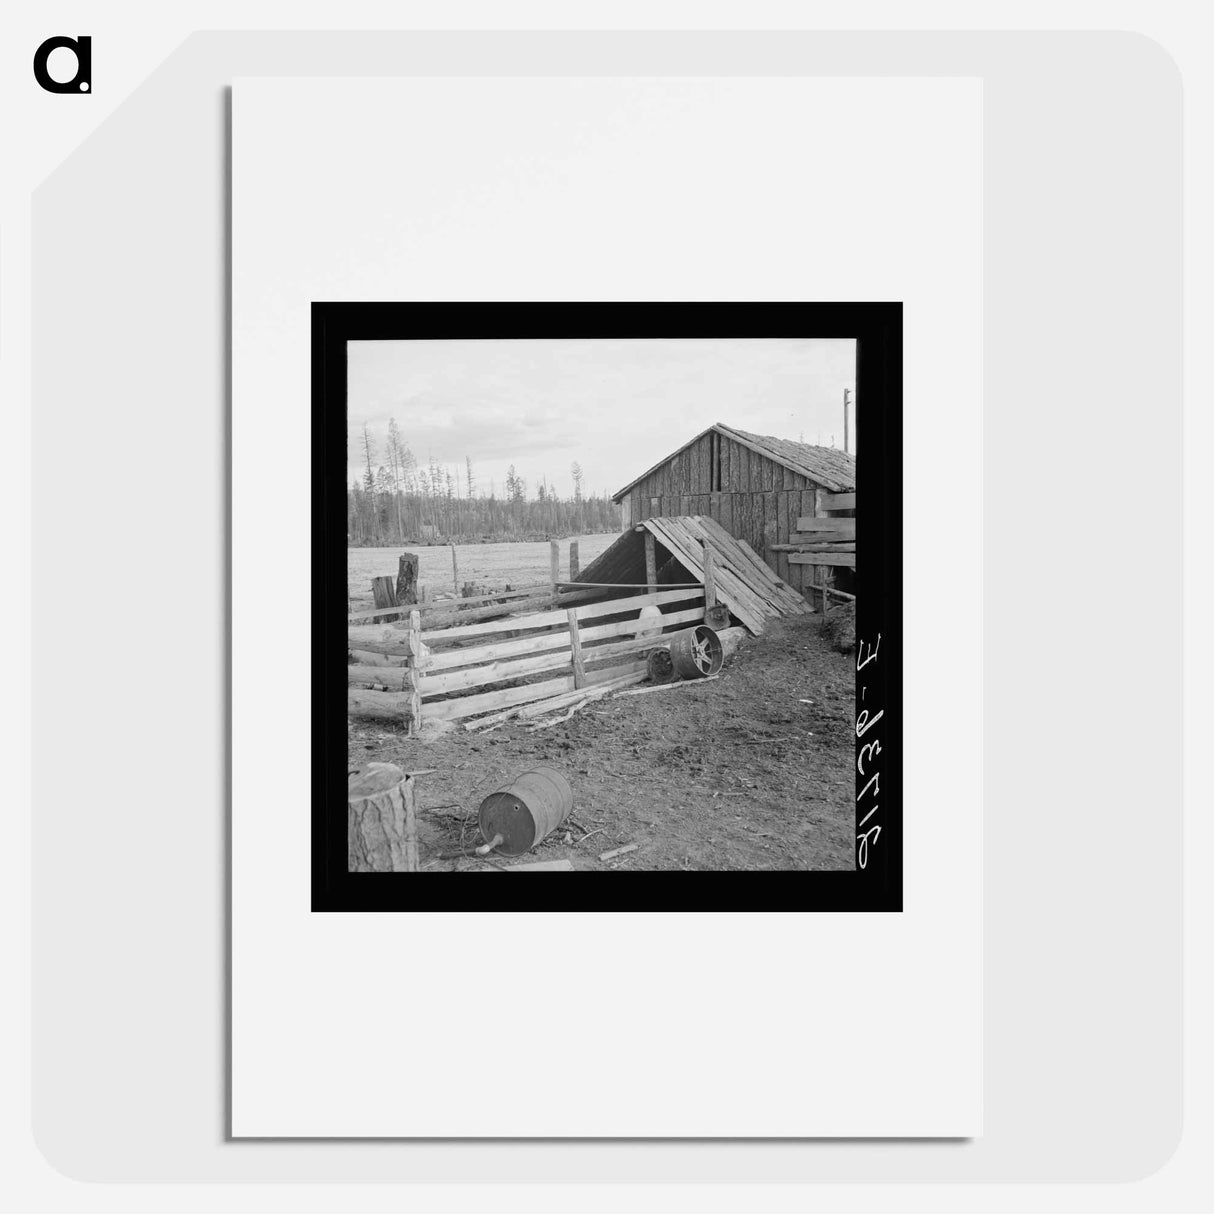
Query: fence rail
(438,673)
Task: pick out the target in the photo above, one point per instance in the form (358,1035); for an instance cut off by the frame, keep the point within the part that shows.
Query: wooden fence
(433,669)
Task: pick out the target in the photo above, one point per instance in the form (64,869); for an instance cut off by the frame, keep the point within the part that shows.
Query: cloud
(615,406)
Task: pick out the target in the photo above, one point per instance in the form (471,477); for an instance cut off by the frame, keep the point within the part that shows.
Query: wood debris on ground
(619,851)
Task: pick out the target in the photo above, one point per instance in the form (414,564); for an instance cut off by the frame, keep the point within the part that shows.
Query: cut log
(383,678)
(381,820)
(379,705)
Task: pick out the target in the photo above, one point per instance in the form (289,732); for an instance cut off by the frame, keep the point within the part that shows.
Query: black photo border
(876,882)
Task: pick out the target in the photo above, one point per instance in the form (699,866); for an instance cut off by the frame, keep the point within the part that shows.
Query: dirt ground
(736,773)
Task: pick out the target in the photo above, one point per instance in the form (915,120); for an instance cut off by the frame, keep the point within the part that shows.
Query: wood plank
(725,518)
(814,547)
(838,501)
(634,585)
(847,559)
(470,706)
(493,672)
(544,619)
(782,533)
(690,615)
(417,653)
(681,540)
(529,712)
(771,521)
(448,611)
(710,586)
(786,594)
(731,588)
(845,528)
(737,581)
(741,558)
(450,659)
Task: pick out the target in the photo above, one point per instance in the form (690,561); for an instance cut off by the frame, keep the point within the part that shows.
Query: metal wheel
(661,668)
(696,653)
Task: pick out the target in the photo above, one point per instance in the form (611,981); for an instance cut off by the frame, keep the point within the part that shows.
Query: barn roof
(748,587)
(826,466)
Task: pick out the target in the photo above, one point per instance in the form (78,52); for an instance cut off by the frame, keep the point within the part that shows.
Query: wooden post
(575,643)
(415,678)
(710,583)
(385,596)
(424,597)
(381,820)
(455,570)
(555,554)
(412,857)
(573,561)
(651,561)
(406,579)
(822,574)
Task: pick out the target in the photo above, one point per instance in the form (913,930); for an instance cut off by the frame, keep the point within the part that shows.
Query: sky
(617,407)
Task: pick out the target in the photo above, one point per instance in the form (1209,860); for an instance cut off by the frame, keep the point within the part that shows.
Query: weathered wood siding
(752,497)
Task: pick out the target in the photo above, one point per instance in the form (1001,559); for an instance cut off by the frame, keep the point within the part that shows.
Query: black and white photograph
(601,601)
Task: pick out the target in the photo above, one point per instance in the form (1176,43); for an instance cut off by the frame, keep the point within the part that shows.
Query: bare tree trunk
(406,579)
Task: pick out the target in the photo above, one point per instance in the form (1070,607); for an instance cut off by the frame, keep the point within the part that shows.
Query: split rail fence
(476,670)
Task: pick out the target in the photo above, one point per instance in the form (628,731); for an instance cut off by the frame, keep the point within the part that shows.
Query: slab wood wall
(752,497)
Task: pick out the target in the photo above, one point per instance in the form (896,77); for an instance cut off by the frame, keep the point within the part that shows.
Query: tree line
(398,500)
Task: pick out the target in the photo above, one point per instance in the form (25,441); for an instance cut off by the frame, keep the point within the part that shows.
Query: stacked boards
(744,582)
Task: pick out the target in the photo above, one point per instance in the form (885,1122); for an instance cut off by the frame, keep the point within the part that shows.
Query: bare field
(491,564)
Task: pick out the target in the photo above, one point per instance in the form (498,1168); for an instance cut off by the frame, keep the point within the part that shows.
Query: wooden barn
(792,503)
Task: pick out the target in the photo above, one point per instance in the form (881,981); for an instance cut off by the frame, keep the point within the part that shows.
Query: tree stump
(406,579)
(385,596)
(381,816)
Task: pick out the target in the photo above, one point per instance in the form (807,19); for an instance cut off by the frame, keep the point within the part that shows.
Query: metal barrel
(526,810)
(696,652)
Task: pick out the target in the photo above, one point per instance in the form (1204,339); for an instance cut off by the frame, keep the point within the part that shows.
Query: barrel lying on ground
(526,810)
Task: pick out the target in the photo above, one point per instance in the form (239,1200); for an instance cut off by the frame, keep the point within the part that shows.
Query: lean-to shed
(792,503)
